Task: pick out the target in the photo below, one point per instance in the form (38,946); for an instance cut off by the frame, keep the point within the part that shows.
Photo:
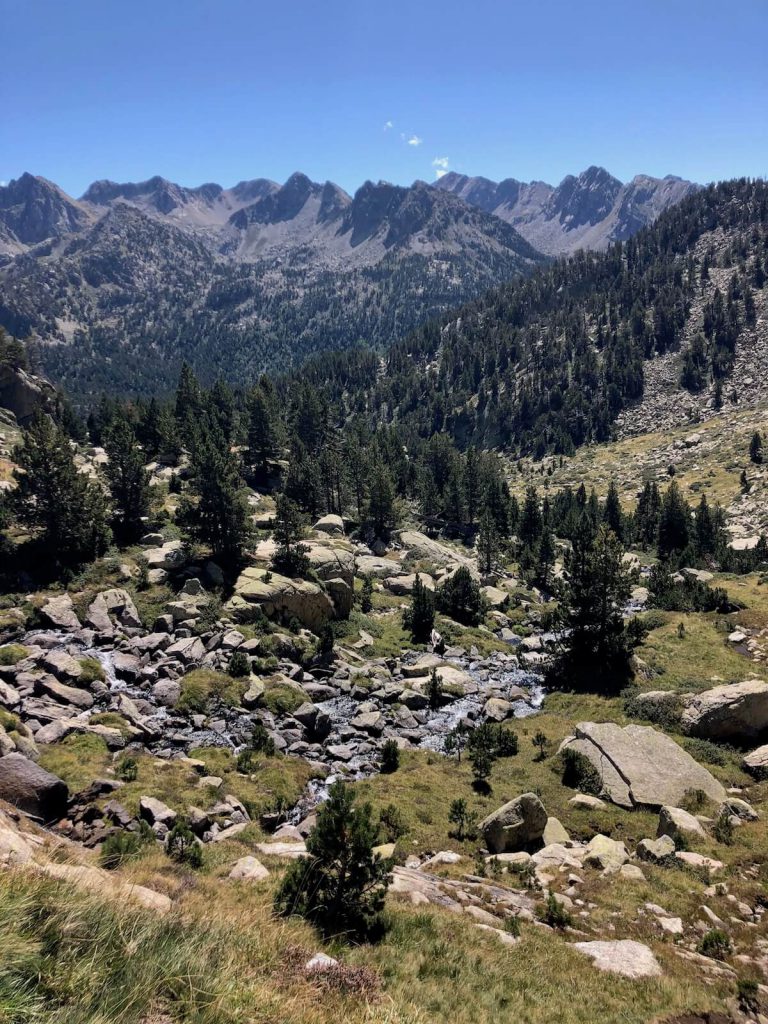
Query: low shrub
(91,670)
(553,913)
(579,772)
(715,943)
(202,685)
(390,757)
(12,654)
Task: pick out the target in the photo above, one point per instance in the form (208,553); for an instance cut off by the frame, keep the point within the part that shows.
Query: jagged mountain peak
(34,209)
(586,210)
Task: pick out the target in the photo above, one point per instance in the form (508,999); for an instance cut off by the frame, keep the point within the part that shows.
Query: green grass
(12,654)
(447,971)
(277,781)
(280,698)
(201,685)
(91,670)
(700,659)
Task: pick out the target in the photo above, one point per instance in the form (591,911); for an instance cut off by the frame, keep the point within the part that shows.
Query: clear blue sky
(220,91)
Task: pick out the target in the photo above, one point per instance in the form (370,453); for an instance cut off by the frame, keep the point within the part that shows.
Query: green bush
(390,757)
(12,654)
(715,944)
(239,665)
(127,769)
(393,823)
(579,773)
(553,913)
(182,846)
(202,685)
(282,699)
(706,750)
(340,887)
(91,670)
(118,848)
(663,711)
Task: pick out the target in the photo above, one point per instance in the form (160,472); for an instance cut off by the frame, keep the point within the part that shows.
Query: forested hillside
(548,363)
(116,290)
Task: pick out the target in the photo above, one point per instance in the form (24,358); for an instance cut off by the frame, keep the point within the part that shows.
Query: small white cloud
(414,140)
(388,125)
(440,163)
(3,184)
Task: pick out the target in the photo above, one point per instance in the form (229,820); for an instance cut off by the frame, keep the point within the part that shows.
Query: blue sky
(221,91)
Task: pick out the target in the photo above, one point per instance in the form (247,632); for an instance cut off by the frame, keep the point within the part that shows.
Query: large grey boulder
(332,562)
(31,788)
(515,825)
(606,854)
(622,956)
(60,613)
(112,608)
(420,548)
(24,394)
(330,524)
(735,711)
(169,556)
(279,596)
(640,766)
(677,824)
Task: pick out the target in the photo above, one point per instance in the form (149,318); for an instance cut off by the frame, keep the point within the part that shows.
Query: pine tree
(488,547)
(340,887)
(128,481)
(291,557)
(613,517)
(530,526)
(189,403)
(434,690)
(546,559)
(52,497)
(420,617)
(460,599)
(472,484)
(381,501)
(596,645)
(220,516)
(263,438)
(674,523)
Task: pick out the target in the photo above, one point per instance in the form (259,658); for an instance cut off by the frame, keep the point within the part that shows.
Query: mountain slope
(585,212)
(133,279)
(554,361)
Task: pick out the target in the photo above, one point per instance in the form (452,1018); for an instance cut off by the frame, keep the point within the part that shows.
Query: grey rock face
(31,788)
(640,766)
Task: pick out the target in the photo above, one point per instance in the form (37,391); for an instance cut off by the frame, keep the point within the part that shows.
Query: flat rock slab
(640,766)
(622,956)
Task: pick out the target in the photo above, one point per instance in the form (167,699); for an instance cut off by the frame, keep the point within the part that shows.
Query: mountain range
(585,212)
(116,288)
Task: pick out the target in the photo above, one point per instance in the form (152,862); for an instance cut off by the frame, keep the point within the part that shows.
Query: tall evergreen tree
(529,528)
(52,497)
(381,500)
(217,512)
(596,645)
(291,557)
(128,481)
(263,436)
(613,517)
(488,546)
(674,523)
